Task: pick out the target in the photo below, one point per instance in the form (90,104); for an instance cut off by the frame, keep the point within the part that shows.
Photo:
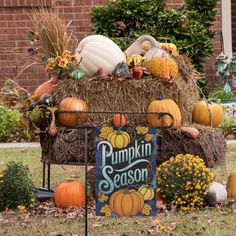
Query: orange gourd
(201,114)
(163,67)
(166,105)
(126,202)
(119,120)
(46,87)
(72,119)
(69,194)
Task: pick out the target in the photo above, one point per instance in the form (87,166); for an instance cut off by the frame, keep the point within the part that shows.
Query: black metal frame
(161,116)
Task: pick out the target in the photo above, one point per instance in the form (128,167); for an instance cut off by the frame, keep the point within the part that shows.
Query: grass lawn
(220,220)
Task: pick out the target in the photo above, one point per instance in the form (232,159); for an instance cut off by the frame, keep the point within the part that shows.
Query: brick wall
(13,42)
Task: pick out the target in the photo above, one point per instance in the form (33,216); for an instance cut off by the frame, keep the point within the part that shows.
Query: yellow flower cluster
(60,62)
(146,209)
(141,129)
(21,208)
(105,131)
(106,210)
(103,198)
(184,180)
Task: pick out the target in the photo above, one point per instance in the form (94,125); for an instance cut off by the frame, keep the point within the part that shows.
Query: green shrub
(16,187)
(9,122)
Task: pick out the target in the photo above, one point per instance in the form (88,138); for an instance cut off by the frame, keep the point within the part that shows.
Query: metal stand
(86,128)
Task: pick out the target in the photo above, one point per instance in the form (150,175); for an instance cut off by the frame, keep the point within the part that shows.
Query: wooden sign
(126,171)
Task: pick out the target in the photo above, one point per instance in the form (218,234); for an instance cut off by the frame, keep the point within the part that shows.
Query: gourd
(119,139)
(231,185)
(126,202)
(69,194)
(97,51)
(119,120)
(201,114)
(166,105)
(163,67)
(46,87)
(170,47)
(216,193)
(147,192)
(72,104)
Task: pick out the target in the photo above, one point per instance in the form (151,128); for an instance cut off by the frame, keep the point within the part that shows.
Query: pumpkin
(69,194)
(166,105)
(97,51)
(201,114)
(119,139)
(72,104)
(169,47)
(126,202)
(46,87)
(147,192)
(231,185)
(119,120)
(163,67)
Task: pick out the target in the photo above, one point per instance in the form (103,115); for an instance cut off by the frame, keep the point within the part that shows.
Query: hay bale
(107,94)
(210,145)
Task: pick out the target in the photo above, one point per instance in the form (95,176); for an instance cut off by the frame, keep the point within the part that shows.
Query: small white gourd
(217,193)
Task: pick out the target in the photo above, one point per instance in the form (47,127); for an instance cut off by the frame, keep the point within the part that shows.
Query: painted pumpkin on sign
(201,114)
(126,202)
(119,139)
(72,119)
(166,105)
(231,185)
(69,194)
(147,192)
(119,120)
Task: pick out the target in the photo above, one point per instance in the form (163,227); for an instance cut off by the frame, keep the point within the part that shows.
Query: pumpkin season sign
(125,171)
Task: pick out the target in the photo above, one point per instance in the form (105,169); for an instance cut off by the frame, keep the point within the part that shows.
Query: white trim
(227,26)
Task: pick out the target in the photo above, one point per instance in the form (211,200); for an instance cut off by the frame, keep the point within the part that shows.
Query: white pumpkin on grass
(97,51)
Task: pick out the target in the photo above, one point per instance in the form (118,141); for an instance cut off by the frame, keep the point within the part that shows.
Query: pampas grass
(51,31)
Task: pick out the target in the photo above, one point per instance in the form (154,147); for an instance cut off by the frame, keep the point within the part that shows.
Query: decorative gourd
(191,131)
(147,192)
(163,67)
(166,105)
(119,139)
(97,51)
(69,194)
(126,202)
(137,46)
(231,185)
(201,114)
(119,120)
(72,104)
(46,87)
(170,47)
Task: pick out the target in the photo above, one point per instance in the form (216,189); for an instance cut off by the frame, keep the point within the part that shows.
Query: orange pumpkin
(69,194)
(126,202)
(201,114)
(119,120)
(72,104)
(46,87)
(166,105)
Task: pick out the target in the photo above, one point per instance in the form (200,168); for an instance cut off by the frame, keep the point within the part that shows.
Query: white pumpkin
(98,51)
